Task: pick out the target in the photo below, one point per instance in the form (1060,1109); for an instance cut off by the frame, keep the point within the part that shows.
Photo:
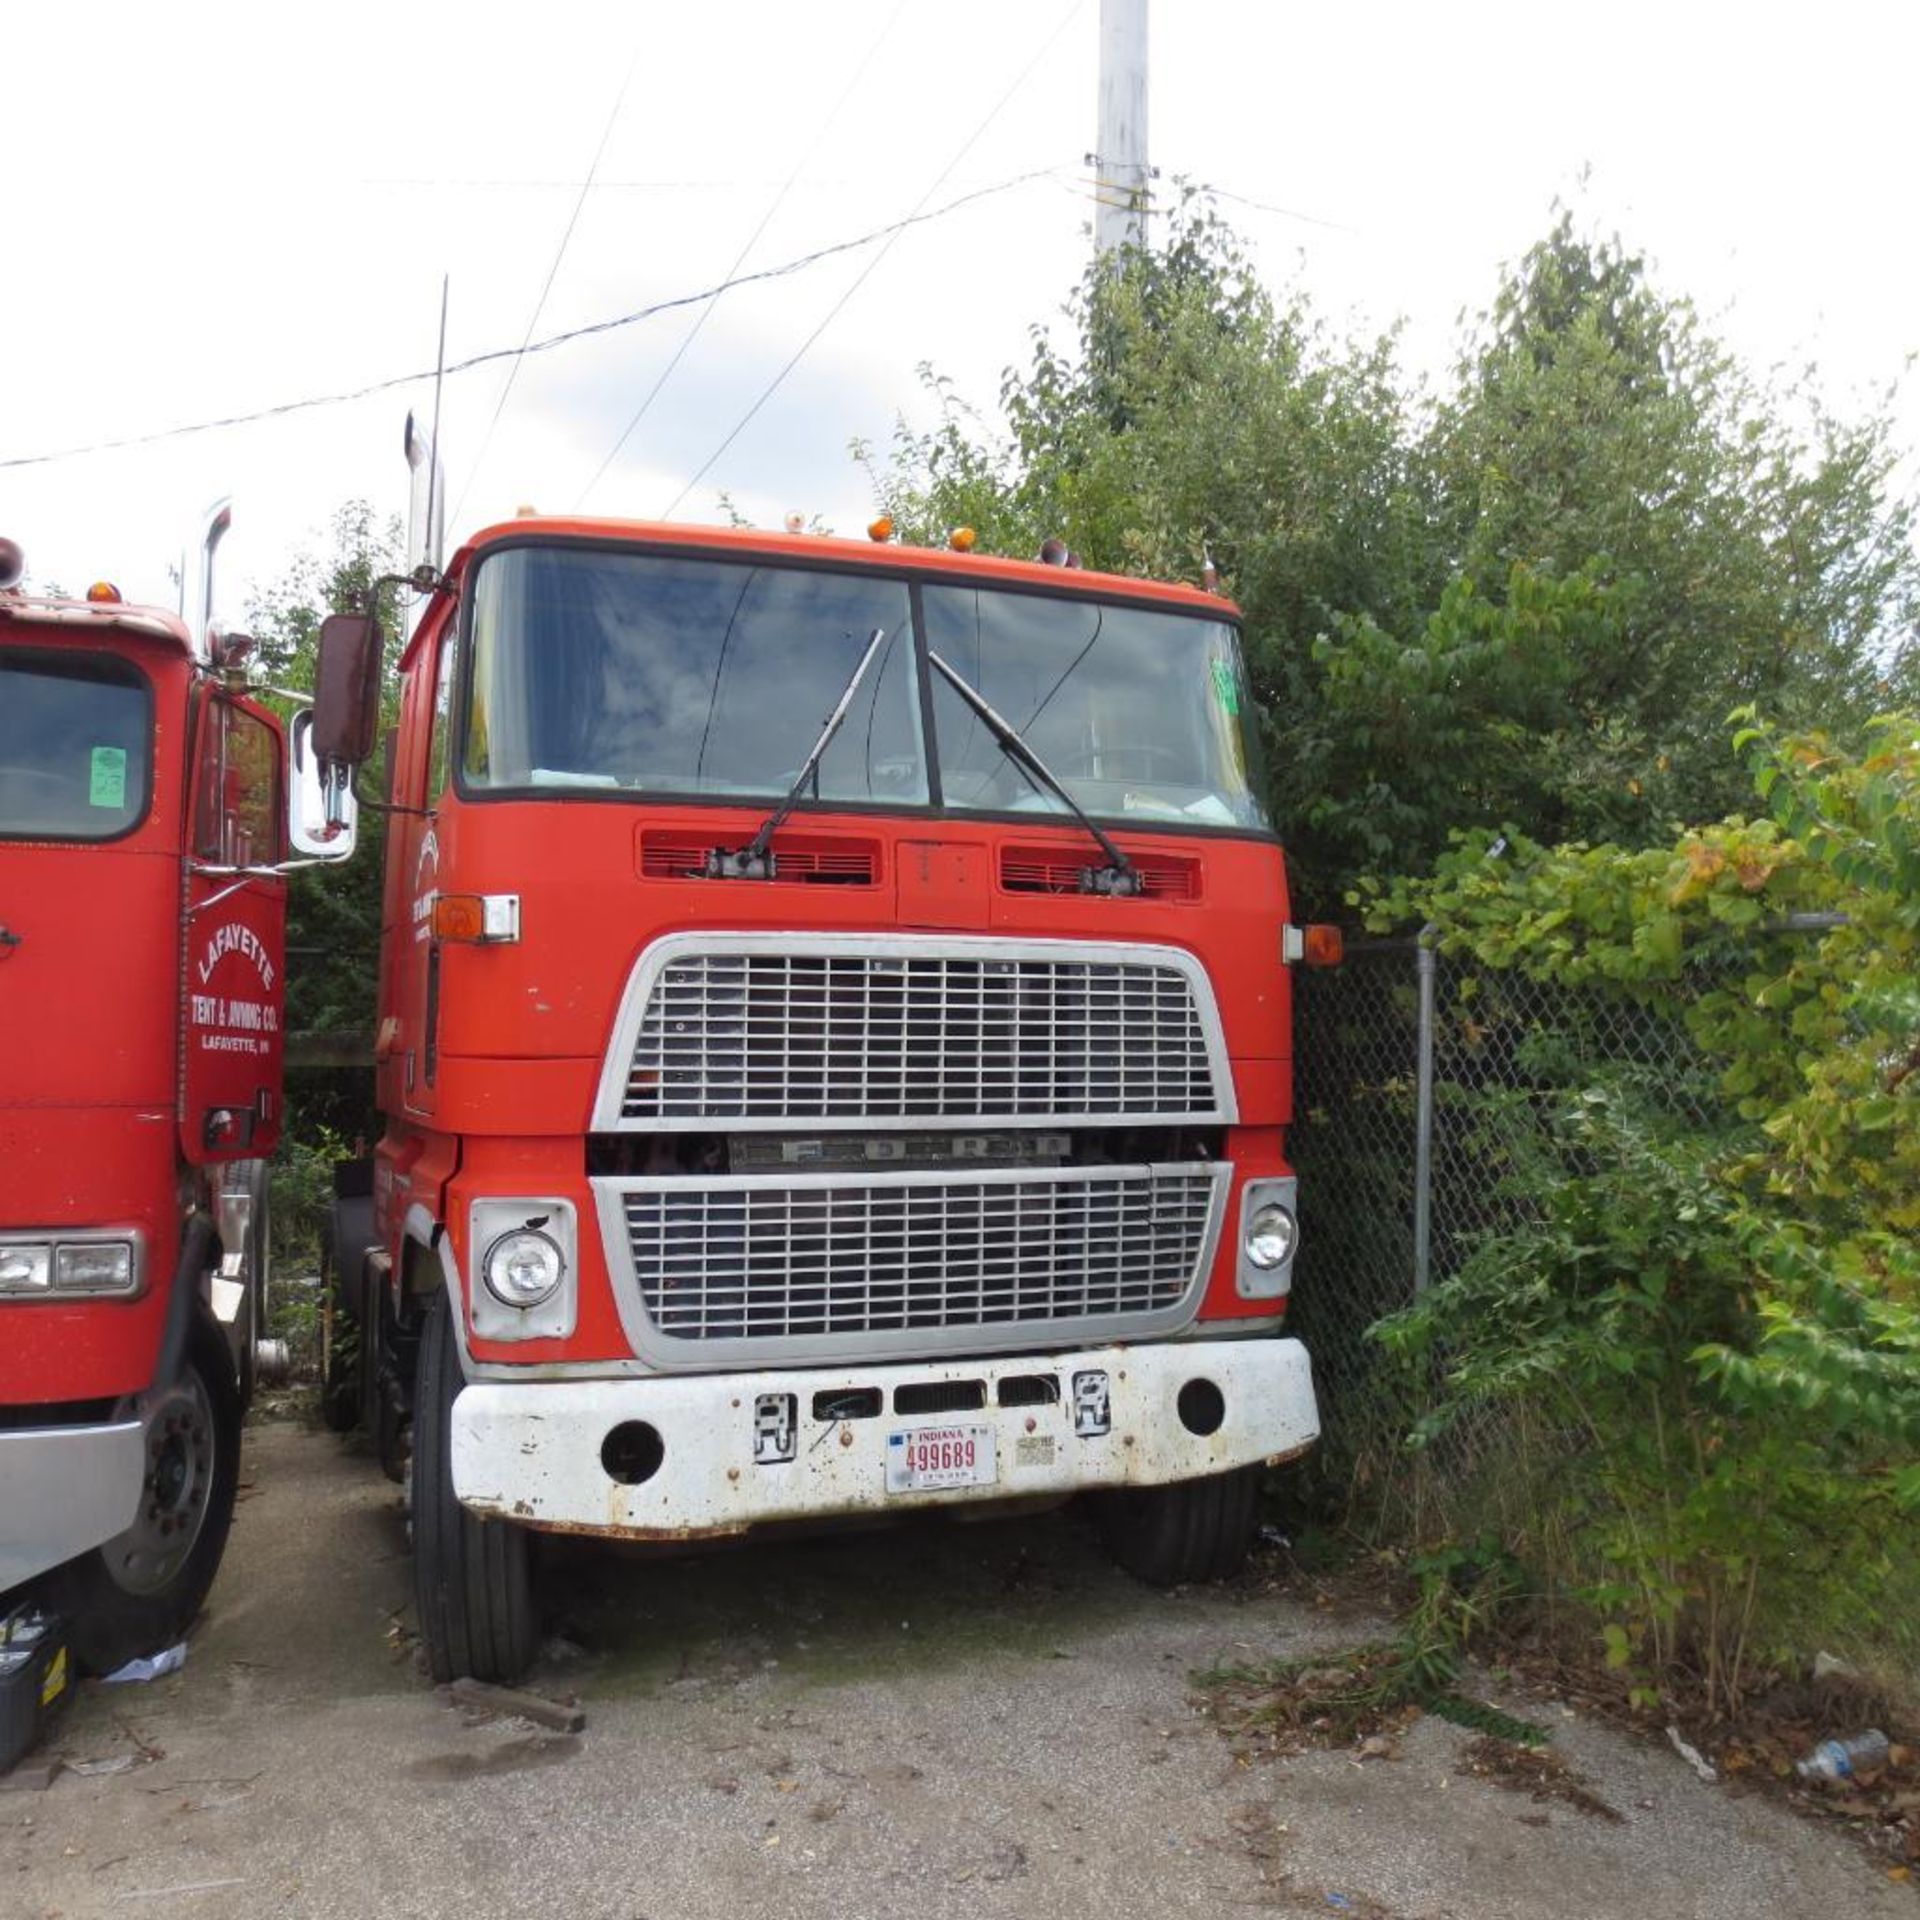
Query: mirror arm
(386,806)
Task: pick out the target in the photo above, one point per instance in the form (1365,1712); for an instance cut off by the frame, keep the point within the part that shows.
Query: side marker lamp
(477,919)
(1314,946)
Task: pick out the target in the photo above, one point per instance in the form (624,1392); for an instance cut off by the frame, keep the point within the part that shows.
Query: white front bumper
(65,1491)
(531,1452)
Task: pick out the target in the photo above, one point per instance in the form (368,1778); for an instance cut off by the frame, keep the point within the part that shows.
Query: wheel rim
(177,1493)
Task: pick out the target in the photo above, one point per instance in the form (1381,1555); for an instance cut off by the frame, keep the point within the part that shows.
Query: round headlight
(1271,1235)
(524,1268)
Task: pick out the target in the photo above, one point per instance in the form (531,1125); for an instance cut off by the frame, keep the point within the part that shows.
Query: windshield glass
(1141,714)
(602,670)
(74,748)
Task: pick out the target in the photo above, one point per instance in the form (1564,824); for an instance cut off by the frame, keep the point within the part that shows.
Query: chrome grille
(847,1033)
(995,1259)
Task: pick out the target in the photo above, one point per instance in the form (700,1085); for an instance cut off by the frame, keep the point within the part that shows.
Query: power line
(539,306)
(740,259)
(866,272)
(494,355)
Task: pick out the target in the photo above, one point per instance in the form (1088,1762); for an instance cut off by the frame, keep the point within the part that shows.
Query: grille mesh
(772,1262)
(809,1036)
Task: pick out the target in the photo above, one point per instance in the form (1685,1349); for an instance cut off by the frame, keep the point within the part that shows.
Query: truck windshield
(1142,714)
(594,669)
(75,752)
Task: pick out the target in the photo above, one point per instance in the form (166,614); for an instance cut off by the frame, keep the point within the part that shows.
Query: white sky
(214,208)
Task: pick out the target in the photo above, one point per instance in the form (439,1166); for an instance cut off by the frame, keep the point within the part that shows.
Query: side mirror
(346,688)
(322,821)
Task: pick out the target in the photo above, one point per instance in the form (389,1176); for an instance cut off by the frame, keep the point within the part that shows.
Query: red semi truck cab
(781,1134)
(141,985)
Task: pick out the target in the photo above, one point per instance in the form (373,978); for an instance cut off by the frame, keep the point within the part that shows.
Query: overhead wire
(391,384)
(740,259)
(867,271)
(546,286)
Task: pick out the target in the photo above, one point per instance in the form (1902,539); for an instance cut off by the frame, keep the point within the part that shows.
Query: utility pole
(1120,165)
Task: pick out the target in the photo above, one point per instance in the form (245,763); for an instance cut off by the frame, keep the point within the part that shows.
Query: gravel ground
(936,1721)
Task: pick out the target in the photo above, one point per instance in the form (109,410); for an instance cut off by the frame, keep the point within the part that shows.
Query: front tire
(472,1578)
(138,1594)
(1193,1530)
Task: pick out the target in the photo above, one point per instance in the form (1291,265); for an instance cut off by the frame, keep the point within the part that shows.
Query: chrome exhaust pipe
(426,501)
(199,615)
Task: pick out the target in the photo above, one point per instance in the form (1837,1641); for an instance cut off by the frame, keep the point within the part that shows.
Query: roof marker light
(962,539)
(104,593)
(880,529)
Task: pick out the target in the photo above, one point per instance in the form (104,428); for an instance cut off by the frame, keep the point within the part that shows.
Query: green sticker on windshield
(107,778)
(1226,688)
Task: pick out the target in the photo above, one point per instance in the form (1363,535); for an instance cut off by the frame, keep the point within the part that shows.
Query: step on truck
(834,1047)
(142,968)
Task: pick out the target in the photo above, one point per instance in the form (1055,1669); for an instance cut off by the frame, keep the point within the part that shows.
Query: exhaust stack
(426,502)
(198,613)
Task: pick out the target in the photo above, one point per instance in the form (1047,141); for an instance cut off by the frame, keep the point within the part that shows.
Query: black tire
(340,1371)
(1193,1530)
(129,1598)
(472,1578)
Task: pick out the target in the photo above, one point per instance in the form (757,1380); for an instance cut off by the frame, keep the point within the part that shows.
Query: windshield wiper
(1119,876)
(755,860)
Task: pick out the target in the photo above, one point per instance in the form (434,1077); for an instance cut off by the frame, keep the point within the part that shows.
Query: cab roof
(73,619)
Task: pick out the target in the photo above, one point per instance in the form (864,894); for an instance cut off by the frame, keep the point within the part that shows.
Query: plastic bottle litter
(169,1662)
(1835,1760)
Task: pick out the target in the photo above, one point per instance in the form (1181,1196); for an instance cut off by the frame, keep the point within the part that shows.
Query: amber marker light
(103,593)
(962,539)
(476,919)
(881,529)
(1314,946)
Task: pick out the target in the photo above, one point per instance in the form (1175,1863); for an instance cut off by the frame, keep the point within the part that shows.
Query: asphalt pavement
(940,1722)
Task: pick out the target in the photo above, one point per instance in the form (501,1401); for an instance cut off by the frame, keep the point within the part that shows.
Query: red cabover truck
(789,1121)
(141,982)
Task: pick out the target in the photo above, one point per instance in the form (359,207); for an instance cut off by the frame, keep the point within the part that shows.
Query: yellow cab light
(881,529)
(963,539)
(104,593)
(477,919)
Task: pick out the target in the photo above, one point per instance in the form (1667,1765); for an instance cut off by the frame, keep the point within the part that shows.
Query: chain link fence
(1424,1088)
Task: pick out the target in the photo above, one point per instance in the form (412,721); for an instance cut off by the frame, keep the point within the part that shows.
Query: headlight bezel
(494,1223)
(1258,1279)
(41,1260)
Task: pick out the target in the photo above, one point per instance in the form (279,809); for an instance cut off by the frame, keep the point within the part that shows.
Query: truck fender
(421,1228)
(198,1247)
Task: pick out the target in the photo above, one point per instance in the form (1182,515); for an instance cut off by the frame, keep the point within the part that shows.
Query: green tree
(1532,604)
(333,913)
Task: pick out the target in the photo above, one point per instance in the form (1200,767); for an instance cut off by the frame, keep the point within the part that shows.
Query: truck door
(234,985)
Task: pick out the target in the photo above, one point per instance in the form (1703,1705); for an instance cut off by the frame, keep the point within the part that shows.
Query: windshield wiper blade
(755,860)
(1119,875)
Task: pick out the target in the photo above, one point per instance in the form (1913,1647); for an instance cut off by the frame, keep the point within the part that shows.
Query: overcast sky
(215,209)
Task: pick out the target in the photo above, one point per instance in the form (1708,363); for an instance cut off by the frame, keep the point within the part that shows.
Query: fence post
(1425,967)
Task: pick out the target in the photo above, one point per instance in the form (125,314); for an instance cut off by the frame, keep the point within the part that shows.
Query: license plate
(929,1457)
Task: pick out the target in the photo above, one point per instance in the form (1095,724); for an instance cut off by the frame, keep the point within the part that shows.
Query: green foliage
(1704,1305)
(1529,603)
(333,914)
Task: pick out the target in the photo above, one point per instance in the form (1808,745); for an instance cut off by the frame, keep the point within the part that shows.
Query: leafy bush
(1703,1324)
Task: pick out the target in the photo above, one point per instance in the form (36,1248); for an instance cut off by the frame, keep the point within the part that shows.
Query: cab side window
(439,751)
(237,810)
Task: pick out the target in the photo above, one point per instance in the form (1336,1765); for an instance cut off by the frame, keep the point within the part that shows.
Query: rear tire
(139,1593)
(472,1578)
(1193,1530)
